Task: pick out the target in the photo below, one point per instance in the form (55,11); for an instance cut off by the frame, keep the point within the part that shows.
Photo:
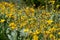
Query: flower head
(59,33)
(35,37)
(2,20)
(49,21)
(12,25)
(26,30)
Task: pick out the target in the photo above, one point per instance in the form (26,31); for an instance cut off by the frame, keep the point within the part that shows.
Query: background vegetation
(29,19)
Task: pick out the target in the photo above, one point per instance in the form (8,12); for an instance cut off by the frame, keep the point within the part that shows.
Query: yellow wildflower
(9,15)
(52,36)
(52,29)
(23,17)
(35,37)
(52,1)
(30,32)
(12,25)
(49,21)
(32,10)
(23,24)
(48,32)
(26,30)
(57,6)
(37,31)
(59,39)
(20,12)
(59,33)
(54,10)
(27,11)
(2,20)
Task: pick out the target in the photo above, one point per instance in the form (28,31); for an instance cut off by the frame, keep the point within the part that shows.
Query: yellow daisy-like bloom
(52,36)
(8,4)
(32,10)
(23,24)
(2,20)
(9,15)
(12,25)
(26,30)
(52,29)
(37,31)
(20,12)
(35,37)
(49,21)
(47,32)
(30,32)
(59,33)
(59,39)
(57,6)
(27,11)
(52,1)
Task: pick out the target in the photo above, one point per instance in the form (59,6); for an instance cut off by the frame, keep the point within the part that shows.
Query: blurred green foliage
(23,3)
(31,2)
